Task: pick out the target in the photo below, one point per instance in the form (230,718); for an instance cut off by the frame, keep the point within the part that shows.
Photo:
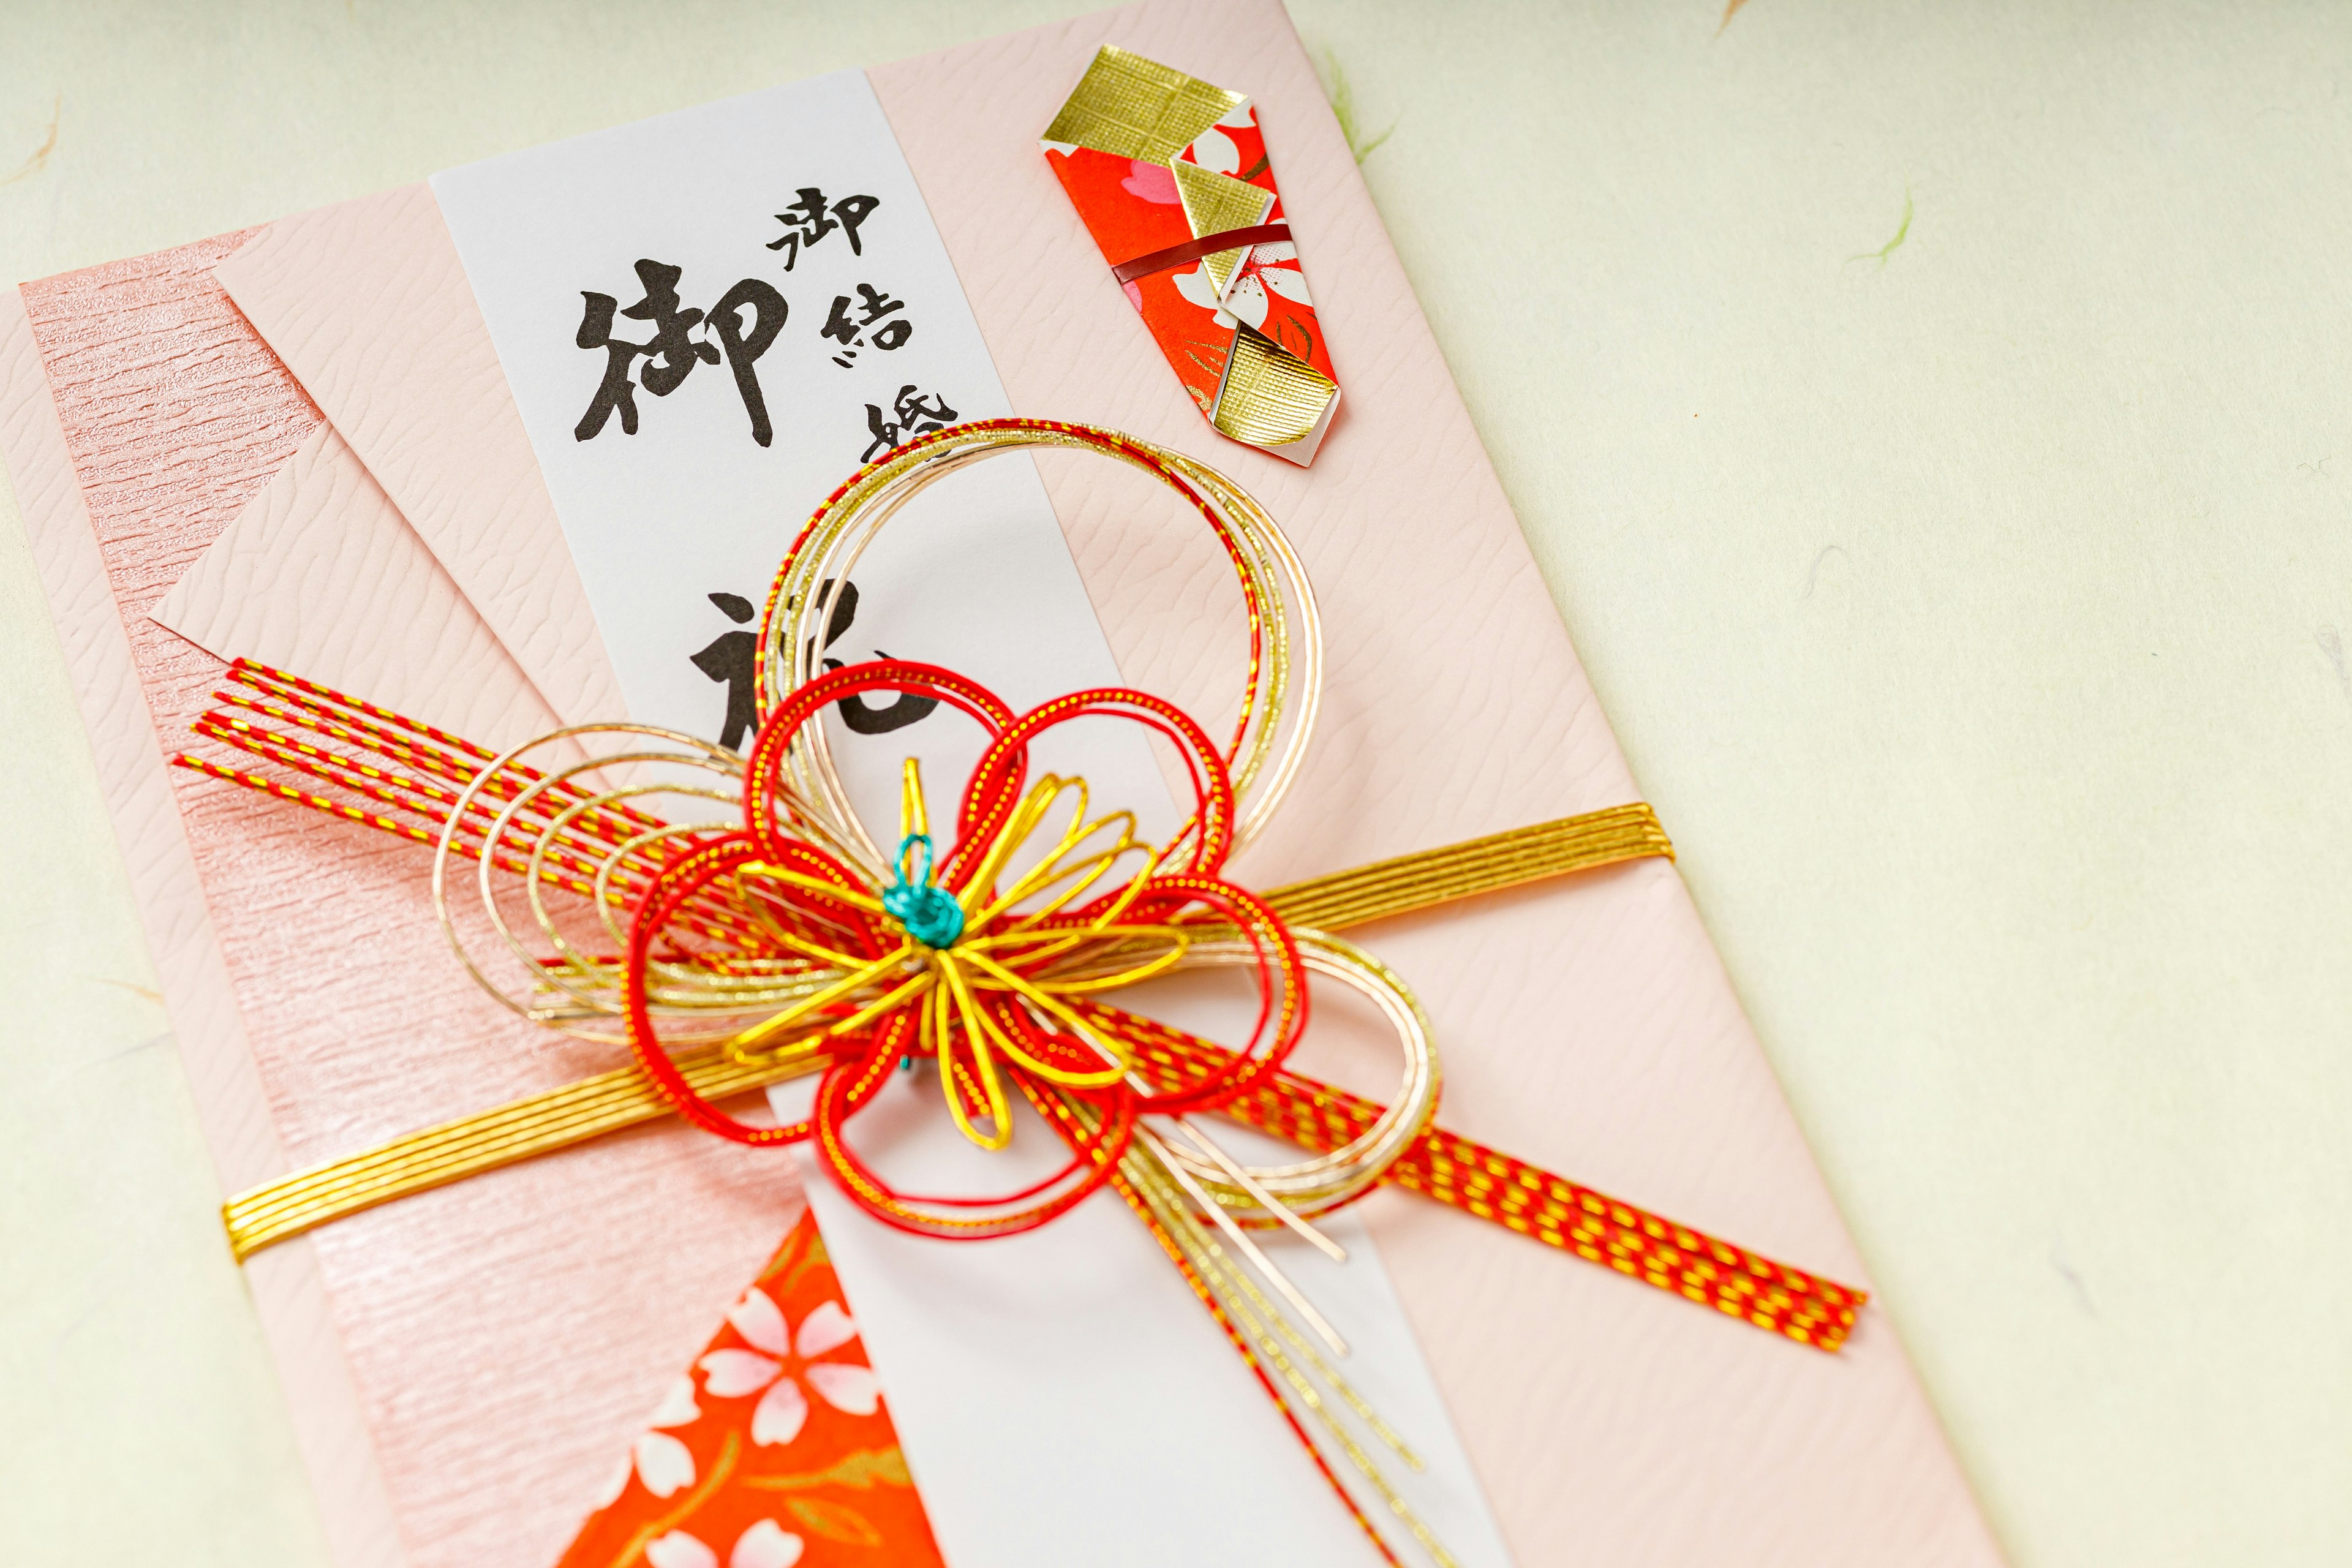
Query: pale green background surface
(1976,619)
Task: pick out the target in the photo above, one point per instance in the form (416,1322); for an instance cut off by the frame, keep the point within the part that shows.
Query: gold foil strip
(558,1118)
(1129,107)
(1214,204)
(1269,397)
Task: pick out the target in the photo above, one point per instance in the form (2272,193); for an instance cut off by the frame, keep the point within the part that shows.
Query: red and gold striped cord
(1511,1193)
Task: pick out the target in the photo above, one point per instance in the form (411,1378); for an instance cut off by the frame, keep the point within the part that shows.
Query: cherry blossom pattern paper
(1162,167)
(774,1451)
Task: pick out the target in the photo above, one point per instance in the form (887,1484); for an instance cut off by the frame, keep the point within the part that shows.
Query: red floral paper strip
(774,1451)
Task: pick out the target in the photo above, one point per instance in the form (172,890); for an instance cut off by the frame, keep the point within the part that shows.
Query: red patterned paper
(774,1451)
(1131,208)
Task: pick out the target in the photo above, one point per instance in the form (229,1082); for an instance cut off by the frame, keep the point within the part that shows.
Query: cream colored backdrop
(1933,421)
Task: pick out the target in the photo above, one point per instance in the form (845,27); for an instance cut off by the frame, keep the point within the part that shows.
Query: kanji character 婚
(913,414)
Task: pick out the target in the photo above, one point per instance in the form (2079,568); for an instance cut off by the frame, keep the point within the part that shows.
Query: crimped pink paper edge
(288,1292)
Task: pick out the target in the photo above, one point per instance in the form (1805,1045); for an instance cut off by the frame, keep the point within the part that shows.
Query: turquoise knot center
(929,913)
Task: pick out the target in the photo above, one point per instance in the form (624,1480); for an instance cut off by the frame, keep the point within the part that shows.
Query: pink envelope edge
(321,575)
(456,463)
(1657,1088)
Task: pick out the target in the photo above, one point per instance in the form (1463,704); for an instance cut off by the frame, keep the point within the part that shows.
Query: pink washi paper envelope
(463,1366)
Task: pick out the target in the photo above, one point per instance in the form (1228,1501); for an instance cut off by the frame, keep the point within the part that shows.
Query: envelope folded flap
(414,386)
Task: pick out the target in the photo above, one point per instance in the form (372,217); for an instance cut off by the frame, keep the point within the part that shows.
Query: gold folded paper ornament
(1174,179)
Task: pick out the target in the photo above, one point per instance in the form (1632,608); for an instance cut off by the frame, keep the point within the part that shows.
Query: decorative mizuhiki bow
(733,922)
(991,964)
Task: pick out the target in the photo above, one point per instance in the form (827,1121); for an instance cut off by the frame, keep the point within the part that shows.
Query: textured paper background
(1975,618)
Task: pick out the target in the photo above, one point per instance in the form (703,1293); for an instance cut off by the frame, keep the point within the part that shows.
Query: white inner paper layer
(1061,1396)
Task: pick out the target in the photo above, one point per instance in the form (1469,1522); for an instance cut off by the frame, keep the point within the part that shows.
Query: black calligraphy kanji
(673,350)
(743,349)
(873,305)
(863,718)
(914,415)
(806,221)
(730,657)
(672,345)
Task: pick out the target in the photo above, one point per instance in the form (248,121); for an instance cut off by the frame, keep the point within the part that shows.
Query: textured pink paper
(1587,1026)
(492,523)
(289,1293)
(505,1336)
(320,574)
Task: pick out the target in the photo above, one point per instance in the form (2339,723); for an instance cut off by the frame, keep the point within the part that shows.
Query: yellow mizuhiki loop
(769,991)
(772,990)
(607,1102)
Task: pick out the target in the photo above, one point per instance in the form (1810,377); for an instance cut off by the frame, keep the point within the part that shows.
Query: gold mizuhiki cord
(558,1118)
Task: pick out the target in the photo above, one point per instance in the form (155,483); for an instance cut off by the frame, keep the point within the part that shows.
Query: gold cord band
(558,1117)
(1411,883)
